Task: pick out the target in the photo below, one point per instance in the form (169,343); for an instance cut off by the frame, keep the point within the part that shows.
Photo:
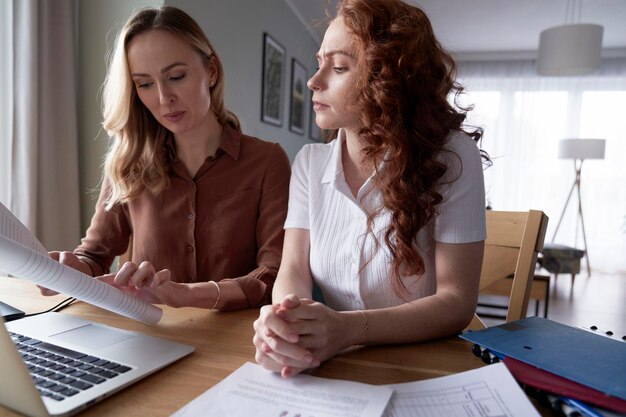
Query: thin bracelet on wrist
(217,299)
(365,326)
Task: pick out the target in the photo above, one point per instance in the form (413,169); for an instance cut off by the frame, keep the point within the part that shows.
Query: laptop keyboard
(58,372)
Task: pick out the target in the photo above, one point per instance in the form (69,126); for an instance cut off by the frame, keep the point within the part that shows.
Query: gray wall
(98,24)
(235,28)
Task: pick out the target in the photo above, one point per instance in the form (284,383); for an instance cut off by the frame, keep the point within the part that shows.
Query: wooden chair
(513,241)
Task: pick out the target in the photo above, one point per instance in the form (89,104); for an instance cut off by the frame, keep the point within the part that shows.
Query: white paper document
(14,229)
(254,391)
(23,256)
(490,391)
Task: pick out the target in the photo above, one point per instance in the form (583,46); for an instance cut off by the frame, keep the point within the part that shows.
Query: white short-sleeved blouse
(320,201)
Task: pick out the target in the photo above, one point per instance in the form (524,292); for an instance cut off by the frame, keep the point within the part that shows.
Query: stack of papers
(252,390)
(22,255)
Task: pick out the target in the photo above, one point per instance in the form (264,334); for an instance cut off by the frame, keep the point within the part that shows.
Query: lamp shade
(582,148)
(570,49)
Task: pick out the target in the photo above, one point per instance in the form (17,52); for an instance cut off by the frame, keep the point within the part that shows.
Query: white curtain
(6,98)
(524,117)
(43,160)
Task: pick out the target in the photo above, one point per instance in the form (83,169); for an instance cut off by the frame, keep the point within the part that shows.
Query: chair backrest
(514,240)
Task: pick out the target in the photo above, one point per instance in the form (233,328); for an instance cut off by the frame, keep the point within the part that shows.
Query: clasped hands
(297,334)
(141,280)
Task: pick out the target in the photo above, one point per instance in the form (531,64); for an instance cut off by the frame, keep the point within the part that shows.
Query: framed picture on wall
(272,86)
(298,95)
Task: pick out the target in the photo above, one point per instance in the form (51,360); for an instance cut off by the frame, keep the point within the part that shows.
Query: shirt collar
(333,173)
(334,167)
(230,144)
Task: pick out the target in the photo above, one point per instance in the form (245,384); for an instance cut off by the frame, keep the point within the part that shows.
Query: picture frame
(298,97)
(272,85)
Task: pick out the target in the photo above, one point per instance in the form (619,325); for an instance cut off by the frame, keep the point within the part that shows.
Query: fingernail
(315,363)
(308,357)
(293,338)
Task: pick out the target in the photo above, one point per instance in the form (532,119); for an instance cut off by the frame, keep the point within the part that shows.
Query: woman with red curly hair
(388,219)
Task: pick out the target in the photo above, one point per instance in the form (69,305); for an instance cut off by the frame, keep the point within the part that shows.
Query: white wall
(235,28)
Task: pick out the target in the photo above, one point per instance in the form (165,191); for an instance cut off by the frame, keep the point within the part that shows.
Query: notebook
(55,364)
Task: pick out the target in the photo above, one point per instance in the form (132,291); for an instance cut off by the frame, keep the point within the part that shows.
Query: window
(524,117)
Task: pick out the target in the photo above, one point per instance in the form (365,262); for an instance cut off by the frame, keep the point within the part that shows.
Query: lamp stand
(579,216)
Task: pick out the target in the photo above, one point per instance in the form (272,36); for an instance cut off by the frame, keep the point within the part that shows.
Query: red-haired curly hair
(404,80)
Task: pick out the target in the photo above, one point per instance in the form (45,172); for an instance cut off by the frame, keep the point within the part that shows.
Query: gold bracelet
(217,299)
(365,326)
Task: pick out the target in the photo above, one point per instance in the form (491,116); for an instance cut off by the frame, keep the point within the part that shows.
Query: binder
(545,381)
(578,355)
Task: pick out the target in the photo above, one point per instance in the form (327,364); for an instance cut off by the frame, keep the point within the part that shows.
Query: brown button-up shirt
(226,223)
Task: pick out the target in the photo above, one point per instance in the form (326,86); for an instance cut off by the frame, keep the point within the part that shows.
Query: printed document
(490,391)
(254,391)
(12,228)
(23,256)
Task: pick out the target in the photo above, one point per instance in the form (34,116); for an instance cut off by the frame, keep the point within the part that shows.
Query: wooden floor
(596,300)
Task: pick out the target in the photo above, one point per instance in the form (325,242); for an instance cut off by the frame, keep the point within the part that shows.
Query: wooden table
(223,343)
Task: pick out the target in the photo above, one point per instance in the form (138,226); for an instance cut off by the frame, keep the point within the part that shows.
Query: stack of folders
(572,370)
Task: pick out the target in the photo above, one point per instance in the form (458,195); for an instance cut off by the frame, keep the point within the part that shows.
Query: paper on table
(23,262)
(487,391)
(14,229)
(254,391)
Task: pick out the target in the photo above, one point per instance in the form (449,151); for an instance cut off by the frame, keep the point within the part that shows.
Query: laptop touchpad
(92,336)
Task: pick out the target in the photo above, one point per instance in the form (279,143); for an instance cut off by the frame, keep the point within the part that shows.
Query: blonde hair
(136,159)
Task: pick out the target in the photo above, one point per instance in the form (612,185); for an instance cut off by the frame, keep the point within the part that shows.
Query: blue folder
(590,359)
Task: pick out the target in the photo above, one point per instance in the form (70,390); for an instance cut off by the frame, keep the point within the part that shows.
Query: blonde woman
(204,203)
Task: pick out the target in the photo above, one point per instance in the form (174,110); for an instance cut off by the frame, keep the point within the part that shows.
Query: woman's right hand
(145,282)
(68,259)
(276,341)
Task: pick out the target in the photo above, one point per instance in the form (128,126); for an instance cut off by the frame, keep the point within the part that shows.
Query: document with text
(488,391)
(12,228)
(23,256)
(254,391)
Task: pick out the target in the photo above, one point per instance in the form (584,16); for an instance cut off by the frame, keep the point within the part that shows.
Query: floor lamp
(579,150)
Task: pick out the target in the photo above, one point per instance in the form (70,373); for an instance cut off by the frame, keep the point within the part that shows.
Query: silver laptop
(57,365)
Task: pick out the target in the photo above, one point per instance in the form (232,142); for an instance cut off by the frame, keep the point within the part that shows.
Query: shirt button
(189,248)
(190,216)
